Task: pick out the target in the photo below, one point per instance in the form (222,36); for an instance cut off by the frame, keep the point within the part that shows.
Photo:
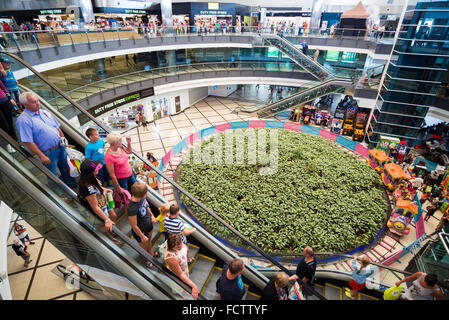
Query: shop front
(212,13)
(121,113)
(119,17)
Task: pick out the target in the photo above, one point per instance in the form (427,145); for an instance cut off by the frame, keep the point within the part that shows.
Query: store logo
(239,147)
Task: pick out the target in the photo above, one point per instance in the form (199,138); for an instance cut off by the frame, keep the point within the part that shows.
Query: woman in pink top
(116,159)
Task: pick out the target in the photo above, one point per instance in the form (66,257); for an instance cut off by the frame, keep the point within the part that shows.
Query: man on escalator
(40,132)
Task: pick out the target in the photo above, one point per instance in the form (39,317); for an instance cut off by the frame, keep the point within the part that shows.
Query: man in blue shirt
(230,285)
(40,133)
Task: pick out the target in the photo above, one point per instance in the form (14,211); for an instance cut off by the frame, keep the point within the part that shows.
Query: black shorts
(145,231)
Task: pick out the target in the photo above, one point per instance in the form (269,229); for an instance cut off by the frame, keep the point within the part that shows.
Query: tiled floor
(37,282)
(167,132)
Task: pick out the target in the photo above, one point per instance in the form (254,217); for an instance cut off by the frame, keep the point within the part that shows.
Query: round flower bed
(320,196)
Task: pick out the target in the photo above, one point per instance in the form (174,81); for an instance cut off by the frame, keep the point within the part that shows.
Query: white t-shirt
(417,182)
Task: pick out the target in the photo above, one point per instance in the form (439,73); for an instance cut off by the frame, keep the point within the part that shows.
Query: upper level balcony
(47,49)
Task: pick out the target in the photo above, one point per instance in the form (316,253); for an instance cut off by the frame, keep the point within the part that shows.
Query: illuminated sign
(213,12)
(213,6)
(52,11)
(135,11)
(332,55)
(348,56)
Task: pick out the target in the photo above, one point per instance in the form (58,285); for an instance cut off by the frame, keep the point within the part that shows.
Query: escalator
(305,96)
(285,46)
(333,274)
(327,81)
(55,211)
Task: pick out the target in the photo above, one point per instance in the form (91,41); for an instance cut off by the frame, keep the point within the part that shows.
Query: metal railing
(114,82)
(17,41)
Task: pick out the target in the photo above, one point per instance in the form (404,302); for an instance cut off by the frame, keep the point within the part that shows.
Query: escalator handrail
(334,254)
(174,184)
(16,146)
(293,96)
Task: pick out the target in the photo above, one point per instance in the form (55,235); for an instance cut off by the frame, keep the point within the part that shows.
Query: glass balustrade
(18,41)
(299,98)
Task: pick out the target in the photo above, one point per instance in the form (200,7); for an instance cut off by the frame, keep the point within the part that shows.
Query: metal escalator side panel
(76,225)
(55,218)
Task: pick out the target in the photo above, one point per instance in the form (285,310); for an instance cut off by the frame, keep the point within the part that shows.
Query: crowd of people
(440,129)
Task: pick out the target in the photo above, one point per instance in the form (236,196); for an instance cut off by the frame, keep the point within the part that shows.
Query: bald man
(305,270)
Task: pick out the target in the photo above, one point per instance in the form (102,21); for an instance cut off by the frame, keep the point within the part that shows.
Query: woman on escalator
(116,159)
(90,189)
(176,258)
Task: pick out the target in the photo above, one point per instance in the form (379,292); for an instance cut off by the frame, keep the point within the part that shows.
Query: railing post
(88,41)
(17,45)
(53,37)
(104,39)
(71,39)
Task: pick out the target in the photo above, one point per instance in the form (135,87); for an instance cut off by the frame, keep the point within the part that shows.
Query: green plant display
(320,196)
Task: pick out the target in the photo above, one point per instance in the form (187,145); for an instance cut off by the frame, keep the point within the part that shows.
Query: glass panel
(63,238)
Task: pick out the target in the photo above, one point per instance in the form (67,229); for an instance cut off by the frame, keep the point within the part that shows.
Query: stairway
(203,271)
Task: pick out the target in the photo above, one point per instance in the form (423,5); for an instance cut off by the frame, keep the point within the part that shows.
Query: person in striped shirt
(173,224)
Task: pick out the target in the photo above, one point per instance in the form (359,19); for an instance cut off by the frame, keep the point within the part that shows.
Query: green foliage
(320,196)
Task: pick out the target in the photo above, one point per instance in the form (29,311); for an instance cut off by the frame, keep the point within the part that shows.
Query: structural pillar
(166,13)
(317,9)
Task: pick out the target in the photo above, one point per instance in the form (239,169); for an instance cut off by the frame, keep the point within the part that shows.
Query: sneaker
(348,293)
(10,149)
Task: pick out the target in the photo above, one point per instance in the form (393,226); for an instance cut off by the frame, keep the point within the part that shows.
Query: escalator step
(209,289)
(332,292)
(318,288)
(157,240)
(367,297)
(252,296)
(200,269)
(193,250)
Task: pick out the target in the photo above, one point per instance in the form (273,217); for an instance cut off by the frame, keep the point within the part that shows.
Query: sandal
(190,261)
(156,255)
(116,241)
(149,265)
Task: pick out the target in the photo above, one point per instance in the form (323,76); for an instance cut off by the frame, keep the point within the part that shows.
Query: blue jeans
(126,183)
(58,158)
(103,175)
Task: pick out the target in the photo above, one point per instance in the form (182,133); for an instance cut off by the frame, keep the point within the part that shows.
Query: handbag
(393,293)
(73,170)
(74,154)
(295,292)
